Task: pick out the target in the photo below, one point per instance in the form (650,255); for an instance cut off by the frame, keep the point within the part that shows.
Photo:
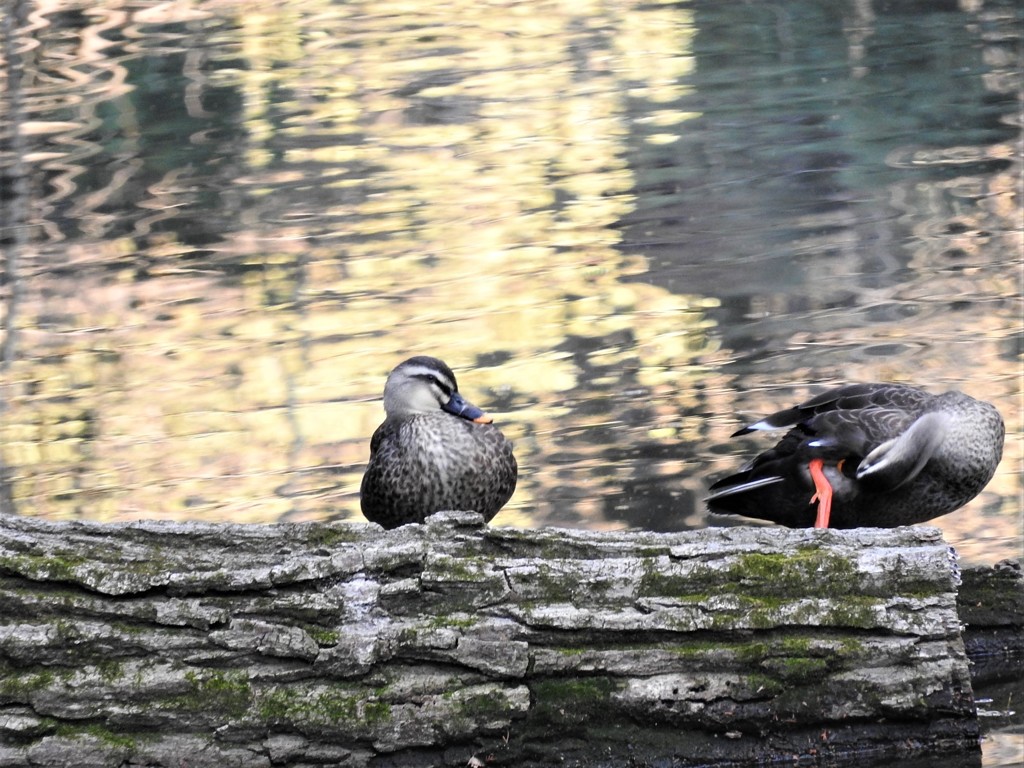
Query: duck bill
(464,409)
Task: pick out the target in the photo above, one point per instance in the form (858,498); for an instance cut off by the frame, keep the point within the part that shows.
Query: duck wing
(852,398)
(841,426)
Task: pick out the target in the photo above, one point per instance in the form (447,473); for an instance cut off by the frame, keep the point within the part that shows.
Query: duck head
(423,385)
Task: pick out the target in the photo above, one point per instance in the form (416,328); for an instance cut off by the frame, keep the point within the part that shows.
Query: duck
(867,455)
(434,451)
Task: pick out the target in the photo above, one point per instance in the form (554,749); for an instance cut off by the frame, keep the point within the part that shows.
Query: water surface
(628,229)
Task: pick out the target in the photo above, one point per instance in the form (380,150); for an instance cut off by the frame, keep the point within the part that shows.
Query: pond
(630,228)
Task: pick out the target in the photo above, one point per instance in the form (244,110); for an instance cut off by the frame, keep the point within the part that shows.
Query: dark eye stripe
(430,377)
(442,385)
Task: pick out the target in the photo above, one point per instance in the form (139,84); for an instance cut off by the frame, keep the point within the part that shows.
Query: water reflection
(628,230)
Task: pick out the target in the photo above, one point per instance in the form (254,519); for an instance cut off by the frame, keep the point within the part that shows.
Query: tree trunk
(452,643)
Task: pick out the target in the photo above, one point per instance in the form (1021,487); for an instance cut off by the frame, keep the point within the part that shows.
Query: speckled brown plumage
(893,454)
(434,451)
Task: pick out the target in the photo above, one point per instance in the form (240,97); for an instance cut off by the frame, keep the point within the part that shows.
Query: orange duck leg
(822,493)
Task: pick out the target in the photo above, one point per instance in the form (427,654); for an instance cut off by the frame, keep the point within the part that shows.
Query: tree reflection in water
(632,227)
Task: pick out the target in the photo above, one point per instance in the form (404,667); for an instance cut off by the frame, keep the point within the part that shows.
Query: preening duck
(867,455)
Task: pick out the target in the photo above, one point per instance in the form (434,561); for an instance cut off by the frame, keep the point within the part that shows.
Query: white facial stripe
(413,371)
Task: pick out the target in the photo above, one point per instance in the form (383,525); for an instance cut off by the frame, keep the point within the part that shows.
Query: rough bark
(165,644)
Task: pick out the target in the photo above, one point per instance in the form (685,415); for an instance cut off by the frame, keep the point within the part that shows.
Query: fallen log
(453,643)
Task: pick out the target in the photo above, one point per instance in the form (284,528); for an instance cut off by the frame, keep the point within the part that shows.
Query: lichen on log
(342,644)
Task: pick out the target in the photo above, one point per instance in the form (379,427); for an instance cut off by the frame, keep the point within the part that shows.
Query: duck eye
(432,380)
(443,387)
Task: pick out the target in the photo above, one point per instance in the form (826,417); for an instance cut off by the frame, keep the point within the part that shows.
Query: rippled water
(628,228)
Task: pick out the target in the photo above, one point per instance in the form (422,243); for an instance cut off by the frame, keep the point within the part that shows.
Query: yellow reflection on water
(205,333)
(487,232)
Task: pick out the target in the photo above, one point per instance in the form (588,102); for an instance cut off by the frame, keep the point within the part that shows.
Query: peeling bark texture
(454,644)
